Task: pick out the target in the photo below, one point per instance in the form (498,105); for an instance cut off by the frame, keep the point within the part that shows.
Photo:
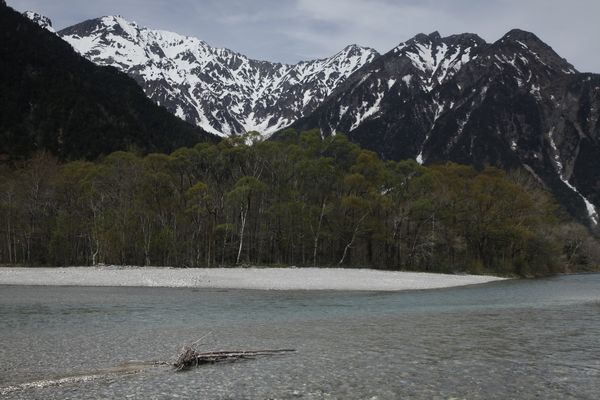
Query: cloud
(569,26)
(290,30)
(377,23)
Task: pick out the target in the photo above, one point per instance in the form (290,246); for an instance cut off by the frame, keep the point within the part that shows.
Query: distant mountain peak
(471,38)
(420,38)
(436,58)
(437,39)
(435,35)
(521,43)
(356,47)
(520,34)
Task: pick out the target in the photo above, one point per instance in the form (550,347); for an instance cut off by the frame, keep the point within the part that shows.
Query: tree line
(303,200)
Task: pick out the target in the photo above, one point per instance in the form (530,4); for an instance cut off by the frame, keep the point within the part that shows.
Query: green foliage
(306,200)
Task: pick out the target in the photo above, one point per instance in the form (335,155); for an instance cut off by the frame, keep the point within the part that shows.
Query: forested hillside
(53,99)
(304,201)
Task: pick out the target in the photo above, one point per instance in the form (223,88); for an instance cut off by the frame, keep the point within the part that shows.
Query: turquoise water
(513,339)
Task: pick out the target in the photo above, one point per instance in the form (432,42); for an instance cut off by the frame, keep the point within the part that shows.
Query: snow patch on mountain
(41,20)
(436,59)
(367,111)
(590,208)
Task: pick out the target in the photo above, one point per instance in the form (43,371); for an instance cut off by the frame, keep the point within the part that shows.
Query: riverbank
(239,278)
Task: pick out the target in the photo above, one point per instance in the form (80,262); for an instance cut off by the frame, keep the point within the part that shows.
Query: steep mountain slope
(222,91)
(53,99)
(513,103)
(395,95)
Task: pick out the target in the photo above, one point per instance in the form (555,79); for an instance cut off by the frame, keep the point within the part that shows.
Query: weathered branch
(192,358)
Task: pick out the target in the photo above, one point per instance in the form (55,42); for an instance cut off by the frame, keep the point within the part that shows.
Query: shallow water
(512,339)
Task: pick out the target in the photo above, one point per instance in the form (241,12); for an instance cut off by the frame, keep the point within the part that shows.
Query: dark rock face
(513,103)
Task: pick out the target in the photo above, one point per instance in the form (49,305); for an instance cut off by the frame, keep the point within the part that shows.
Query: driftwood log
(190,357)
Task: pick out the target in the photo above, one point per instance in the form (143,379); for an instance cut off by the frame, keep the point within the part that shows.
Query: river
(516,339)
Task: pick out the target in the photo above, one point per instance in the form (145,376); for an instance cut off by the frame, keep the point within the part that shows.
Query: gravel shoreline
(238,278)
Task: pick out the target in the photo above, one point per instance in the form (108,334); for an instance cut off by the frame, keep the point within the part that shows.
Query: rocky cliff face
(222,91)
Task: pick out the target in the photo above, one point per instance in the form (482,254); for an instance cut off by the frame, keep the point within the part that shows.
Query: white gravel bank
(238,278)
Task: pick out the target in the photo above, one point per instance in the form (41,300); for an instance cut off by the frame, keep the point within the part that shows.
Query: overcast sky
(293,30)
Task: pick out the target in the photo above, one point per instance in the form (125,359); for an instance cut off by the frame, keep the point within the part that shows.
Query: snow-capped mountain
(399,82)
(222,91)
(513,103)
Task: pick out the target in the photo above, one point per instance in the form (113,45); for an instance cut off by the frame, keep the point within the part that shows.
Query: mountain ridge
(218,89)
(512,103)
